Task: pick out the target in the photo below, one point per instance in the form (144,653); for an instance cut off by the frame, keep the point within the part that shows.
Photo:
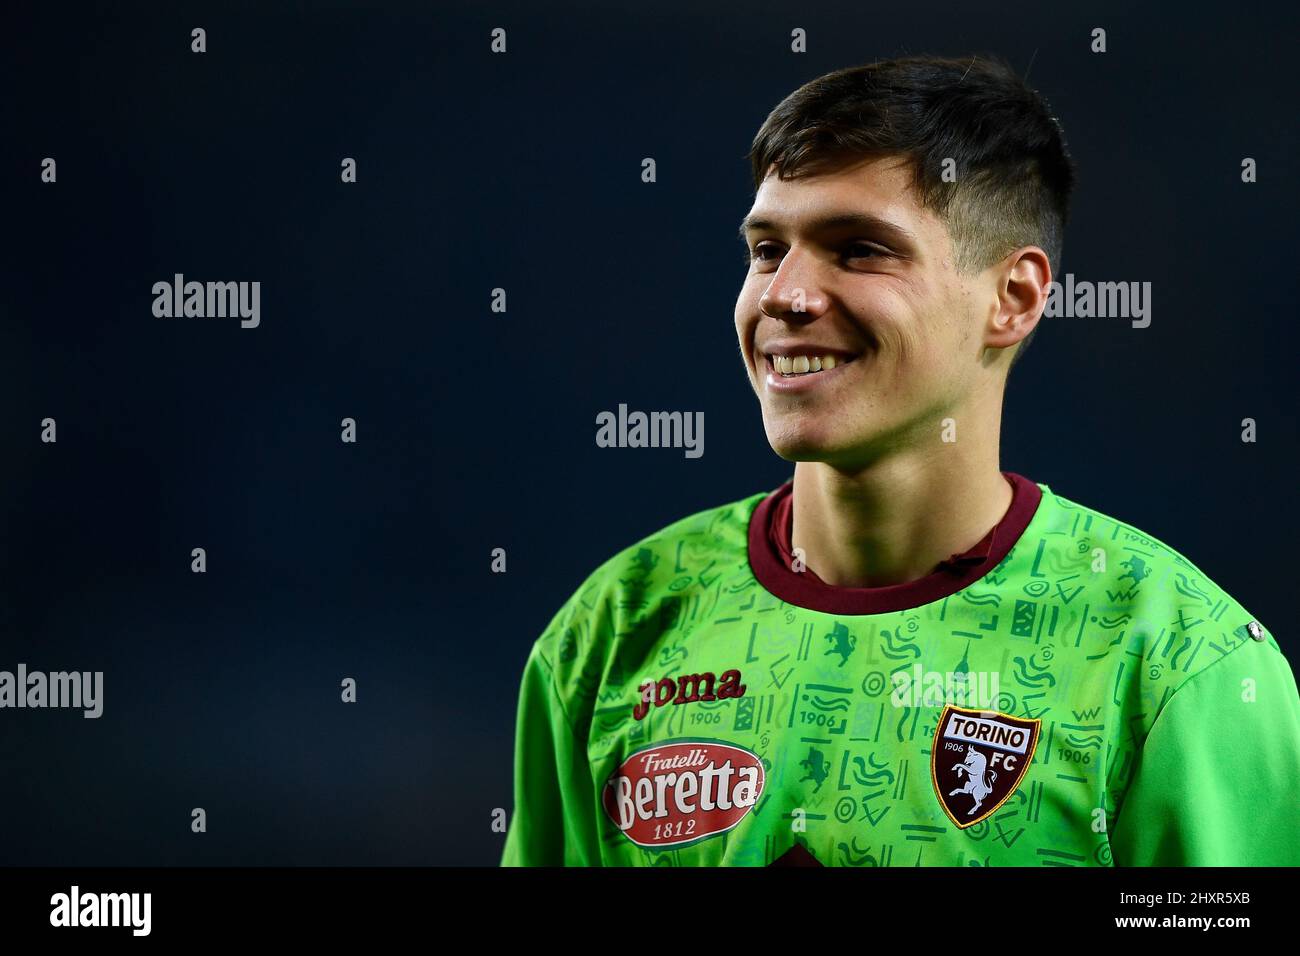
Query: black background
(476,430)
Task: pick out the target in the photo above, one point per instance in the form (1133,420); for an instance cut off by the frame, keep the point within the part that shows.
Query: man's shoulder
(1137,583)
(664,561)
(1141,556)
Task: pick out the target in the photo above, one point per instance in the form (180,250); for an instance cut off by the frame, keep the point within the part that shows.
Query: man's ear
(1024,279)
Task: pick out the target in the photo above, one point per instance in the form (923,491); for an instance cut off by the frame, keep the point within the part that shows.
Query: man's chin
(808,442)
(805,447)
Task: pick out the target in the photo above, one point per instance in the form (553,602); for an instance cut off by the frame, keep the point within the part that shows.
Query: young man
(905,656)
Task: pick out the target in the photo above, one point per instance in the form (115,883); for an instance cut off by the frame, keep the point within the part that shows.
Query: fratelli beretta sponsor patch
(680,791)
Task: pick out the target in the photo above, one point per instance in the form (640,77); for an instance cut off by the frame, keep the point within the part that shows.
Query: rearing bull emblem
(979,780)
(978,759)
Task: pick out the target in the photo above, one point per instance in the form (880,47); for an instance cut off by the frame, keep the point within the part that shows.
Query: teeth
(802,364)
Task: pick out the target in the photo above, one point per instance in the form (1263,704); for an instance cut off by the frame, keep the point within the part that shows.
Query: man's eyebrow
(842,220)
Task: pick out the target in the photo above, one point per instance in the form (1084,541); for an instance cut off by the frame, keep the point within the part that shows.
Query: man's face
(846,266)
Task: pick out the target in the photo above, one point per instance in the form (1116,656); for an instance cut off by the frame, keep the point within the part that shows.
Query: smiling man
(904,655)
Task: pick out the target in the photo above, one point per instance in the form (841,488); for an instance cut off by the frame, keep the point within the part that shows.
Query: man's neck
(898,518)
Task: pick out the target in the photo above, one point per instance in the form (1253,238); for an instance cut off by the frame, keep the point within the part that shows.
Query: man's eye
(864,250)
(766,252)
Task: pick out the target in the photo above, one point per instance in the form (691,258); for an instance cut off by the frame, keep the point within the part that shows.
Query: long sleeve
(554,821)
(1216,781)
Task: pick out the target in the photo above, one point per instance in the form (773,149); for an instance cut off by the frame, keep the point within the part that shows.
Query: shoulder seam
(1208,667)
(1165,707)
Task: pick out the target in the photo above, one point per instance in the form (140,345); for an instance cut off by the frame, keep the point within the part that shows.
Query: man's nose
(794,294)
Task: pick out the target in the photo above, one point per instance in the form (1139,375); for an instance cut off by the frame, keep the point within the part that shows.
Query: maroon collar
(771,559)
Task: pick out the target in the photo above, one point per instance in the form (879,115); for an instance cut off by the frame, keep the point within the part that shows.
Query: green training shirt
(1085,697)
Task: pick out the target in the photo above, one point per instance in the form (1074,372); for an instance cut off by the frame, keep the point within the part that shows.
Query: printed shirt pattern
(1167,719)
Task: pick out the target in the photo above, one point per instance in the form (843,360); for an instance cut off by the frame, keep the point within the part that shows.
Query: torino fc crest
(978,759)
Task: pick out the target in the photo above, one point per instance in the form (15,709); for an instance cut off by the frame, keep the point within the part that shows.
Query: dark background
(476,430)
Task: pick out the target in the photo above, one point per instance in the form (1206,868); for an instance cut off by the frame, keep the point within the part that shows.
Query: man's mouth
(794,366)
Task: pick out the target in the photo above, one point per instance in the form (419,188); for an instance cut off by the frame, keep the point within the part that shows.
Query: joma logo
(686,690)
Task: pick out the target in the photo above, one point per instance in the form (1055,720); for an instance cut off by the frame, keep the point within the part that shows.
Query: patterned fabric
(1093,699)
